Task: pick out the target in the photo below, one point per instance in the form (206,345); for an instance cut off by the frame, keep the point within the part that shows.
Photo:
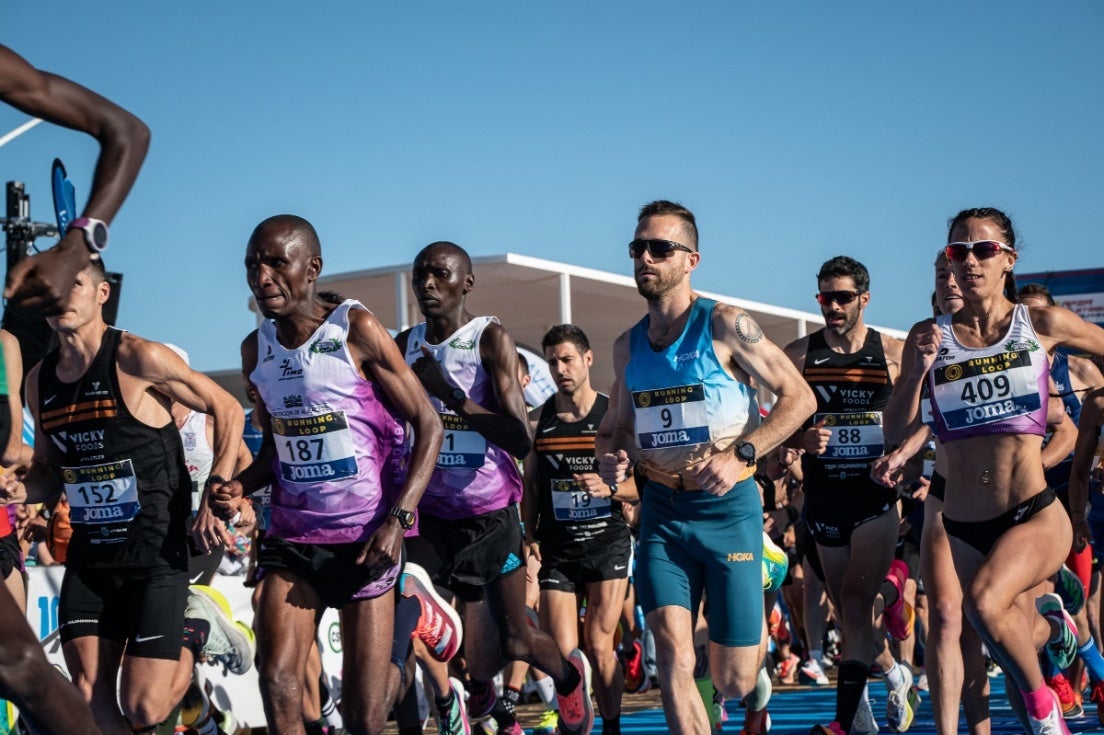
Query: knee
(147,712)
(946,618)
(735,684)
(599,650)
(675,662)
(517,643)
(982,606)
(280,685)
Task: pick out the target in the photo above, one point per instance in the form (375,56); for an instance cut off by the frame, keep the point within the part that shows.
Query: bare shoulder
(892,346)
(736,327)
(797,350)
(140,357)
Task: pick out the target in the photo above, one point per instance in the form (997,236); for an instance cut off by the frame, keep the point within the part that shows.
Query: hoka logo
(741,556)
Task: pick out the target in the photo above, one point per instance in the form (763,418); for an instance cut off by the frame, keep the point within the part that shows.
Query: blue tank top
(684,402)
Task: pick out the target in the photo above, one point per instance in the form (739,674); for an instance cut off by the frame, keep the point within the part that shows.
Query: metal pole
(19,131)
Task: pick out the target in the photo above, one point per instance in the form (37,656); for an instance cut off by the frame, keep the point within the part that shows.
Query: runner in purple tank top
(334,396)
(468,365)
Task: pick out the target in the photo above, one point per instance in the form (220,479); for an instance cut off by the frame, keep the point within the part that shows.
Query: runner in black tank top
(574,522)
(854,521)
(106,438)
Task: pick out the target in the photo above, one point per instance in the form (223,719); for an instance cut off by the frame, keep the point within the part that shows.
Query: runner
(104,436)
(986,368)
(42,282)
(333,396)
(954,659)
(469,512)
(574,522)
(684,411)
(851,369)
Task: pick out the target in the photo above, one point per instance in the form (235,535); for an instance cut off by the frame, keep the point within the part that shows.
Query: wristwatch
(406,517)
(745,451)
(456,398)
(95,233)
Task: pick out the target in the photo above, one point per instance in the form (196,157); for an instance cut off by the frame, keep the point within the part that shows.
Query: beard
(850,319)
(656,289)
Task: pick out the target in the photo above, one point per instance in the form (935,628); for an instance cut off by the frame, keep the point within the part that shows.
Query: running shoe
(1097,698)
(1052,724)
(548,724)
(922,682)
(481,700)
(439,626)
(899,617)
(1067,699)
(514,729)
(636,679)
(453,720)
(903,703)
(787,668)
(864,722)
(1069,588)
(811,673)
(775,565)
(1062,648)
(832,728)
(229,642)
(576,709)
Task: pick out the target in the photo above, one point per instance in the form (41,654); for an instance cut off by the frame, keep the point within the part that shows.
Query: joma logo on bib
(990,411)
(667,438)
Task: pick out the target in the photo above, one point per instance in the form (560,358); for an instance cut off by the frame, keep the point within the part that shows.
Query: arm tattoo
(747,329)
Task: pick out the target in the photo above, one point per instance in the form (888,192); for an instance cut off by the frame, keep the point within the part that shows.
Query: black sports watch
(456,398)
(745,451)
(406,517)
(95,233)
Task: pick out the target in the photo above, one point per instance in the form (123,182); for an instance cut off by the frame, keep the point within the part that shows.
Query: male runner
(851,369)
(685,411)
(334,396)
(42,282)
(105,436)
(468,365)
(573,520)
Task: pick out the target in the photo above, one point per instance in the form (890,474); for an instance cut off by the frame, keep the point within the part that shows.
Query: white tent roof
(530,295)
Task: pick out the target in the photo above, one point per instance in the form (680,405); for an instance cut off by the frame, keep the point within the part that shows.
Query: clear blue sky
(796,131)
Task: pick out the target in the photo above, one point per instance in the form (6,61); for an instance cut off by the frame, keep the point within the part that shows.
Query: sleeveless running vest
(851,390)
(340,446)
(569,515)
(198,454)
(5,433)
(472,477)
(684,401)
(126,482)
(999,389)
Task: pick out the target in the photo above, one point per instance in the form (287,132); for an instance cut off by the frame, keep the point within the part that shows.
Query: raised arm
(901,416)
(41,282)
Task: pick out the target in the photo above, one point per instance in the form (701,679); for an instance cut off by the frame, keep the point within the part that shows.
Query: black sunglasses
(657,248)
(843,298)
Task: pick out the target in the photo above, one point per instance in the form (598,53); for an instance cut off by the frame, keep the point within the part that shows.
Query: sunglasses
(843,298)
(656,248)
(982,250)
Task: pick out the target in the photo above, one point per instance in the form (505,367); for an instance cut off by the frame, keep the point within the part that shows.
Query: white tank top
(198,454)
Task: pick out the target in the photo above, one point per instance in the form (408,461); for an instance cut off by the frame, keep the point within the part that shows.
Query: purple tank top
(472,477)
(341,449)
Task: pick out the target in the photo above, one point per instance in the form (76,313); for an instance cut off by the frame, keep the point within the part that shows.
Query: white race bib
(572,503)
(103,493)
(671,417)
(463,447)
(854,435)
(314,448)
(985,390)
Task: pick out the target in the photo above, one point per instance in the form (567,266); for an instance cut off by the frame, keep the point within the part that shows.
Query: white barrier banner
(238,694)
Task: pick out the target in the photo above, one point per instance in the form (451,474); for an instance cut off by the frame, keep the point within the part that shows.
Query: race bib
(463,448)
(314,448)
(854,435)
(986,390)
(671,417)
(103,493)
(572,503)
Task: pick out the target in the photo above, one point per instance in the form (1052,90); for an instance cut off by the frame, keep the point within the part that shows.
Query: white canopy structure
(529,295)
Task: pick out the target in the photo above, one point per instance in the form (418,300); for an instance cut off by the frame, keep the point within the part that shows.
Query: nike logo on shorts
(146,638)
(619,567)
(823,359)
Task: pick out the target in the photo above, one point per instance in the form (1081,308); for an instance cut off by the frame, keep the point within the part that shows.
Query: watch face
(99,236)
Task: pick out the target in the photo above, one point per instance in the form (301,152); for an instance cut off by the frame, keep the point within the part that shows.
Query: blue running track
(793,712)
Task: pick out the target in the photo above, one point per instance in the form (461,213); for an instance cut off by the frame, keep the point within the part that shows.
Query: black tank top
(851,390)
(569,516)
(127,484)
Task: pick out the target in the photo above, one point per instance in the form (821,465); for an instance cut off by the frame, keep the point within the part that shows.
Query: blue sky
(796,131)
